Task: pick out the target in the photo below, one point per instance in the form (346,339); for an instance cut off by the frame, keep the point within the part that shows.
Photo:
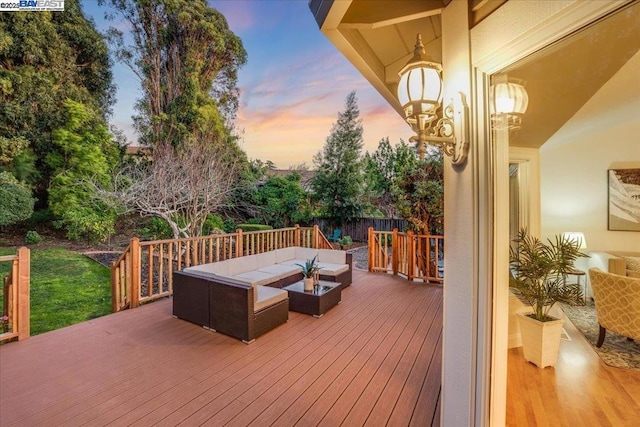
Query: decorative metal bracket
(450,133)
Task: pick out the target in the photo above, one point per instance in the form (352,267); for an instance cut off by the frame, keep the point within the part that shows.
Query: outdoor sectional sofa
(240,297)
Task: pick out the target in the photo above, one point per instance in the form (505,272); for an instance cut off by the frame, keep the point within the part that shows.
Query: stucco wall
(604,134)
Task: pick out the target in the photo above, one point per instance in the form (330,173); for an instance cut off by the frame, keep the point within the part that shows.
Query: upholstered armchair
(617,300)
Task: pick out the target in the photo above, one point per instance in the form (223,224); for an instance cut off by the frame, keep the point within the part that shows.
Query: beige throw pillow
(633,263)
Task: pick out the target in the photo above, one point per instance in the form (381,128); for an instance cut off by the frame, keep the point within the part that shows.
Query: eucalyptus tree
(186,59)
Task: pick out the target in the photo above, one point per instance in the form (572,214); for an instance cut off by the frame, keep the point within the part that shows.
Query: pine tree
(337,184)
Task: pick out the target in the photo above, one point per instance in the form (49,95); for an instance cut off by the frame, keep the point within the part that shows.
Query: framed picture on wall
(624,199)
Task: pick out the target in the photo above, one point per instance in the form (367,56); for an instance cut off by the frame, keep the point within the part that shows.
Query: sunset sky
(293,86)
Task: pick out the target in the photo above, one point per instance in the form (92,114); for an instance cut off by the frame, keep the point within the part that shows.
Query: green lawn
(66,288)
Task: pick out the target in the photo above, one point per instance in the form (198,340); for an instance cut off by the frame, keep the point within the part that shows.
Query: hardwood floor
(374,359)
(580,391)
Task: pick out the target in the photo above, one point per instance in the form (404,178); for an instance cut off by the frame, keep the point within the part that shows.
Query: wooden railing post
(135,272)
(115,291)
(316,237)
(394,251)
(24,301)
(239,243)
(371,245)
(411,256)
(296,236)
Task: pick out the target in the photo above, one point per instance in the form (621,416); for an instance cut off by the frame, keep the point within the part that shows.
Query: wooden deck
(374,359)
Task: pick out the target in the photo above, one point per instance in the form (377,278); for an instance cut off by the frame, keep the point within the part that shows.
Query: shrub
(33,238)
(42,216)
(213,224)
(254,227)
(156,229)
(16,203)
(229,226)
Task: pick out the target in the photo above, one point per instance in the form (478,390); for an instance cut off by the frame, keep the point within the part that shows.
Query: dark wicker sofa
(240,297)
(227,308)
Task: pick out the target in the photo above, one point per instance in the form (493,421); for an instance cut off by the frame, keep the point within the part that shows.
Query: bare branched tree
(180,186)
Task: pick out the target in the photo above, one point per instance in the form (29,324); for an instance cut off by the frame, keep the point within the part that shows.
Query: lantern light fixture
(508,101)
(420,95)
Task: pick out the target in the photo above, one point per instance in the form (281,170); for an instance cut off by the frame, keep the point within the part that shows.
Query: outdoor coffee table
(324,296)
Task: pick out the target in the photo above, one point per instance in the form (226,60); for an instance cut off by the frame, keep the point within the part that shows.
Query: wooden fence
(144,272)
(412,255)
(358,228)
(16,297)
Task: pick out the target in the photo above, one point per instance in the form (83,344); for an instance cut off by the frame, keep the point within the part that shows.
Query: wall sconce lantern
(420,95)
(508,101)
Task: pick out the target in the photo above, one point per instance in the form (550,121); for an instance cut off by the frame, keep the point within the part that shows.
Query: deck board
(366,357)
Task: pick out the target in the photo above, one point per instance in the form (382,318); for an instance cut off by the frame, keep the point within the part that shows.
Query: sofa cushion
(328,269)
(280,270)
(241,265)
(249,278)
(285,254)
(215,268)
(332,256)
(633,263)
(306,253)
(295,262)
(265,259)
(257,277)
(267,296)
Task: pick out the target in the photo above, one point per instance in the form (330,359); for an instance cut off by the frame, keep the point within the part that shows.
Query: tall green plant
(540,272)
(337,183)
(47,58)
(187,59)
(85,150)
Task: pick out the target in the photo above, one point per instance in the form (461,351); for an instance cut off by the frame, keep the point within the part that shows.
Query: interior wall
(603,134)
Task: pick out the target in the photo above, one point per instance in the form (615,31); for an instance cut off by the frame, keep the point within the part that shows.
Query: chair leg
(601,336)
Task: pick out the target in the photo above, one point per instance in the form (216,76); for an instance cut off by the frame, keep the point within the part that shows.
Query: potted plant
(309,270)
(345,242)
(539,278)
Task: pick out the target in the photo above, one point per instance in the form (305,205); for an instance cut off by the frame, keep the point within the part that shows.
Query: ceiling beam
(392,21)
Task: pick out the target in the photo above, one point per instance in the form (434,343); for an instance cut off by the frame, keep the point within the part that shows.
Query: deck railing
(16,296)
(144,271)
(413,255)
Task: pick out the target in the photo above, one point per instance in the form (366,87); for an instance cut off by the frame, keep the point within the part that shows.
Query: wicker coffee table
(324,296)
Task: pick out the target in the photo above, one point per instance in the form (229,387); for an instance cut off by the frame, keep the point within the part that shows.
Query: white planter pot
(540,340)
(308,284)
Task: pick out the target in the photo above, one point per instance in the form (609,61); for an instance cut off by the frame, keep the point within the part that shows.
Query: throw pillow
(633,263)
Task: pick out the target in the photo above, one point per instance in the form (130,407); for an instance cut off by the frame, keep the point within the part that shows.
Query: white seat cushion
(250,278)
(306,253)
(285,254)
(295,262)
(280,270)
(332,256)
(257,277)
(268,296)
(332,269)
(214,267)
(241,265)
(265,259)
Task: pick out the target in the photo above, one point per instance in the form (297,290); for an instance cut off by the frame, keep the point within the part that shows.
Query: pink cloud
(239,18)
